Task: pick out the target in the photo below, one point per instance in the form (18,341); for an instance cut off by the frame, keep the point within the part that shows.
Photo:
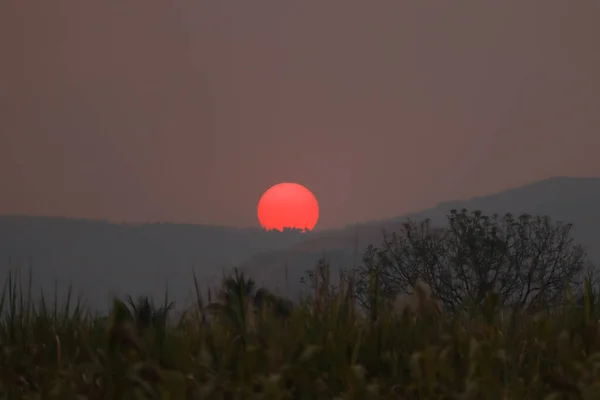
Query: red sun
(288,205)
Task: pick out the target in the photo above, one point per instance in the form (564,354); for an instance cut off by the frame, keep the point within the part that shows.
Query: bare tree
(525,261)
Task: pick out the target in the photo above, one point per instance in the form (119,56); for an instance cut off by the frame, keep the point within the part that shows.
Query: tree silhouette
(279,306)
(526,262)
(145,314)
(232,300)
(238,300)
(133,322)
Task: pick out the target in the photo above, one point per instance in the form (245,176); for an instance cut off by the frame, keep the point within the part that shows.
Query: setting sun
(288,205)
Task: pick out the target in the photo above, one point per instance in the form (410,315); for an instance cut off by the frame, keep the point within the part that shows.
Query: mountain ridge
(103,258)
(569,199)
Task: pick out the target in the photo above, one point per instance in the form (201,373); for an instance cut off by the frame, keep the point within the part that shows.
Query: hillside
(101,258)
(573,200)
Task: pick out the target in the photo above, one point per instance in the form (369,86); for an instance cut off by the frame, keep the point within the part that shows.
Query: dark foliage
(526,262)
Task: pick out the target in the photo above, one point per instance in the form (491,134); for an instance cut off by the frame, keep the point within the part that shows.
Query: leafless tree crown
(525,261)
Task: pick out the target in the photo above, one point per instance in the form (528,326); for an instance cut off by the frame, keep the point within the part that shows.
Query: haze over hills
(572,200)
(102,258)
(99,257)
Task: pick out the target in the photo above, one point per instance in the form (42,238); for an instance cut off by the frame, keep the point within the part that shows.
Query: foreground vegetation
(323,349)
(511,313)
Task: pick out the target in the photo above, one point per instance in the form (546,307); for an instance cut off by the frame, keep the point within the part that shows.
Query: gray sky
(189,110)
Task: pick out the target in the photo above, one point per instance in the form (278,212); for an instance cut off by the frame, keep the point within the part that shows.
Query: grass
(326,349)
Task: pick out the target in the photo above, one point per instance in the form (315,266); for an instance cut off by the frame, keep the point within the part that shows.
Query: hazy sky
(188,110)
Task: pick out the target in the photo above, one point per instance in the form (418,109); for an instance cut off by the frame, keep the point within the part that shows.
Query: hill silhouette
(101,258)
(568,199)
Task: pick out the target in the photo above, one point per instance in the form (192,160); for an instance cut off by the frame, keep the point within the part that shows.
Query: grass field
(326,349)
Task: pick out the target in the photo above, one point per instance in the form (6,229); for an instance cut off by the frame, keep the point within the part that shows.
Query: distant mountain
(572,200)
(100,258)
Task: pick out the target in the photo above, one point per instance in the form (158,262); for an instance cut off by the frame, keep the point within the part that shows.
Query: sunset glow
(288,205)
